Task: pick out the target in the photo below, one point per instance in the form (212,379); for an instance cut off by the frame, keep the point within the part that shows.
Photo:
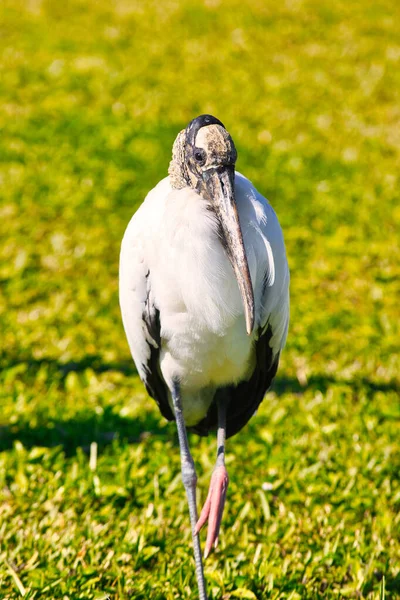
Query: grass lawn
(92,95)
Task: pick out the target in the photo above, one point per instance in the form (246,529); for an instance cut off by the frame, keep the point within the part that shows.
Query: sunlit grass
(92,97)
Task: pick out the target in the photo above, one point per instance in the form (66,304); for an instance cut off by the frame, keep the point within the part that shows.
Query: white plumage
(173,236)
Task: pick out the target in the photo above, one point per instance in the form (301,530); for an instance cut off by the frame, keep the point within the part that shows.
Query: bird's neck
(177,177)
(177,171)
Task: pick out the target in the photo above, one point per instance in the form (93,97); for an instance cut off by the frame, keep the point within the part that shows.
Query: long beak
(220,187)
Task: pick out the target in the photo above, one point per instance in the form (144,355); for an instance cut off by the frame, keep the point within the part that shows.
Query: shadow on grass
(86,426)
(93,362)
(103,428)
(281,385)
(84,429)
(321,383)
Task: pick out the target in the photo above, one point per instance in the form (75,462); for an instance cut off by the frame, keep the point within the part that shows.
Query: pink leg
(214,507)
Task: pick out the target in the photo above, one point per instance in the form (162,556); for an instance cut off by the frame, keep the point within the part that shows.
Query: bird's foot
(213,508)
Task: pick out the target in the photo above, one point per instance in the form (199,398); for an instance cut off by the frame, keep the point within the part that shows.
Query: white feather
(174,237)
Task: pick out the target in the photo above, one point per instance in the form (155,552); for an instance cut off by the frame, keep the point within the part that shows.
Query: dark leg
(189,479)
(214,505)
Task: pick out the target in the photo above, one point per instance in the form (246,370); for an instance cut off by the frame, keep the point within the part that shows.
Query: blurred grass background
(92,97)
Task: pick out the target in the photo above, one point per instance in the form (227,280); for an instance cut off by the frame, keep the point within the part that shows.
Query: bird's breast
(204,340)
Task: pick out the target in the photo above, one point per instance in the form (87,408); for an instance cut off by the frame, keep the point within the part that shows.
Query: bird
(204,297)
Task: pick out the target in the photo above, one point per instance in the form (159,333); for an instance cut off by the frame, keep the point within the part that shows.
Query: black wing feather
(153,379)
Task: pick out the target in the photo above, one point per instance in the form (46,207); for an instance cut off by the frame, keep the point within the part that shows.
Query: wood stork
(204,295)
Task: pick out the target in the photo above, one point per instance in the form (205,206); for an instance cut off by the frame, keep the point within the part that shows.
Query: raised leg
(214,504)
(189,479)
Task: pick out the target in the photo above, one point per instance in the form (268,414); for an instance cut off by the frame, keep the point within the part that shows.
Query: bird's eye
(200,156)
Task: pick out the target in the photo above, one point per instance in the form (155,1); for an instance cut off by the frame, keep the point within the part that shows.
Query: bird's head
(203,158)
(208,148)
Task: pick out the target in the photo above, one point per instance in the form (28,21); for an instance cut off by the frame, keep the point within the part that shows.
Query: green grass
(92,95)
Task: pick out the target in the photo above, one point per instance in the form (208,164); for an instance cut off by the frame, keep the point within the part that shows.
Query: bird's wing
(140,315)
(271,292)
